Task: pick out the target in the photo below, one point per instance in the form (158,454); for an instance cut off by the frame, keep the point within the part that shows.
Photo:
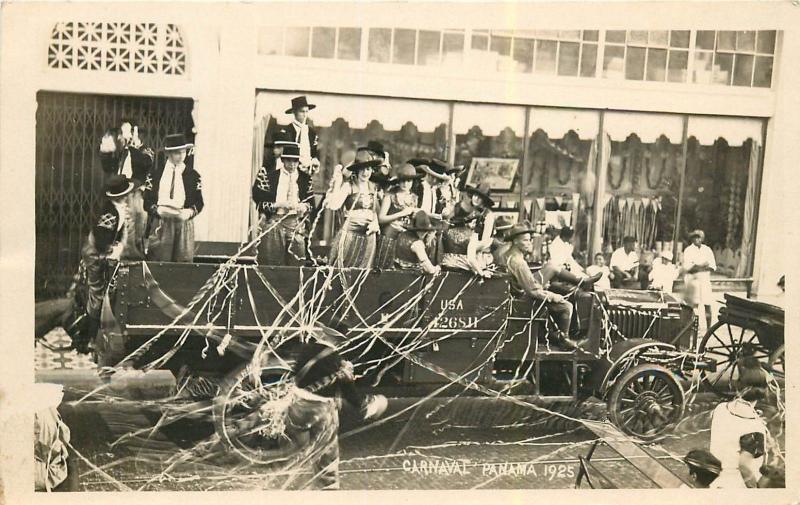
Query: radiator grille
(639,323)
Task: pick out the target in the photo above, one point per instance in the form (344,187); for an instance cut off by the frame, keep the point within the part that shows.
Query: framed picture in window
(499,173)
(512,215)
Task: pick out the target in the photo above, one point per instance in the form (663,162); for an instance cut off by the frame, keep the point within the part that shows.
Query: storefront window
(556,175)
(643,179)
(489,141)
(720,187)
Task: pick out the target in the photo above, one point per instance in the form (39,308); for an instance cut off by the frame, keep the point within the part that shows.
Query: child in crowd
(664,273)
(600,267)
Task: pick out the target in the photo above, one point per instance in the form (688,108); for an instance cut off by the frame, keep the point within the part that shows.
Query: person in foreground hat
(534,285)
(173,196)
(411,253)
(122,153)
(698,263)
(104,245)
(704,468)
(397,208)
(664,273)
(499,244)
(460,245)
(355,243)
(284,199)
(301,132)
(730,421)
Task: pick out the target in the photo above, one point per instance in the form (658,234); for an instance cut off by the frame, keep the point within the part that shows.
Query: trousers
(561,312)
(171,240)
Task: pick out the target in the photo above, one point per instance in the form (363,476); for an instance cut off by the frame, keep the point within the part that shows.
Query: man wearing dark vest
(284,199)
(122,153)
(173,197)
(306,137)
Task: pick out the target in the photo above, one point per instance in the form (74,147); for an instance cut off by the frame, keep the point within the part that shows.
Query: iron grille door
(69,179)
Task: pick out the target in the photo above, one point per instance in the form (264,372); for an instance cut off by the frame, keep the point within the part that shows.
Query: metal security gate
(69,179)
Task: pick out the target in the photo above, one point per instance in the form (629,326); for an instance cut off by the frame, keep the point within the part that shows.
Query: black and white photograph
(398,246)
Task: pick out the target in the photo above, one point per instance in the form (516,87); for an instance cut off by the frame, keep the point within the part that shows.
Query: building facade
(615,128)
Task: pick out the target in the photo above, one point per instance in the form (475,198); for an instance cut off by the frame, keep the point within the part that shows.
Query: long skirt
(351,247)
(284,243)
(171,240)
(387,243)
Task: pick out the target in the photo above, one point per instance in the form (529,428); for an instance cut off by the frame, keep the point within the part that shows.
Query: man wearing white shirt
(664,273)
(698,263)
(306,137)
(625,265)
(561,251)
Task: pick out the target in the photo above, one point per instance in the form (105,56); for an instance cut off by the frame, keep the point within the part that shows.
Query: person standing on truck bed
(173,196)
(283,198)
(535,284)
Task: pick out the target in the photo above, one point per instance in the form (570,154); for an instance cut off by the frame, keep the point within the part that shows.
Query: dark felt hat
(484,191)
(176,141)
(281,138)
(517,230)
(701,458)
(117,185)
(423,222)
(291,151)
(503,223)
(360,165)
(298,103)
(375,147)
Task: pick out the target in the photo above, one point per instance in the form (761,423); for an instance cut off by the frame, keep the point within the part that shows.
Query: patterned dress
(390,232)
(352,247)
(455,242)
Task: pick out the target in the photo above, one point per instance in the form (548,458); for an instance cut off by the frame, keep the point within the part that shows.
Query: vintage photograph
(281,246)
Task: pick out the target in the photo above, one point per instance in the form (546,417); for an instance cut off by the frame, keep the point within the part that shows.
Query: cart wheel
(240,419)
(646,401)
(725,344)
(776,363)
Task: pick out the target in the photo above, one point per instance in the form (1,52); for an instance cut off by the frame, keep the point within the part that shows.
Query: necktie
(172,185)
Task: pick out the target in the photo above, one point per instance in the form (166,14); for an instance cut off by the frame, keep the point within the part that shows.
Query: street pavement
(441,443)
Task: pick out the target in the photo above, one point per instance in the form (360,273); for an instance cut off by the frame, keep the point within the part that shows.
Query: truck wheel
(244,417)
(646,402)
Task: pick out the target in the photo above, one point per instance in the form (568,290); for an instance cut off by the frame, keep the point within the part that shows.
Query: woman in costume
(411,253)
(460,245)
(397,208)
(355,243)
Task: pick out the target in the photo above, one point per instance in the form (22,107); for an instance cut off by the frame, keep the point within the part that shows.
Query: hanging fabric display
(637,217)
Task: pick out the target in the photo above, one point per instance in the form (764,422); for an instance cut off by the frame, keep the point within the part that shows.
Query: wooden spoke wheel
(243,418)
(646,402)
(776,363)
(725,344)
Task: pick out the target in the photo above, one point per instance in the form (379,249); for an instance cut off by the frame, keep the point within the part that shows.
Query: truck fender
(606,368)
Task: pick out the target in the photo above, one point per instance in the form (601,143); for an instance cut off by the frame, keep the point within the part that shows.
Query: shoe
(592,279)
(573,345)
(374,406)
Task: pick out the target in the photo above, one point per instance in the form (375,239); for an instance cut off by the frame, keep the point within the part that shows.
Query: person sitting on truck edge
(173,195)
(284,197)
(410,252)
(499,244)
(460,245)
(535,285)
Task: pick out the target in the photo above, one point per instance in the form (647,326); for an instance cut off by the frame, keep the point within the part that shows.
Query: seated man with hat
(410,251)
(173,196)
(534,285)
(664,273)
(499,245)
(303,134)
(283,196)
(704,468)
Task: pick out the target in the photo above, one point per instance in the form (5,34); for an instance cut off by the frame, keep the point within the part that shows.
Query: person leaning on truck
(173,196)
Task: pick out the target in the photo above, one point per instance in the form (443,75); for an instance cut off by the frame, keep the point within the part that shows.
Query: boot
(573,345)
(566,275)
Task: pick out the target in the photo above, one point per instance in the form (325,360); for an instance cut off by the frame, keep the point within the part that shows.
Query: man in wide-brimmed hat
(698,263)
(272,163)
(410,251)
(524,281)
(105,244)
(499,244)
(122,153)
(301,132)
(284,200)
(173,197)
